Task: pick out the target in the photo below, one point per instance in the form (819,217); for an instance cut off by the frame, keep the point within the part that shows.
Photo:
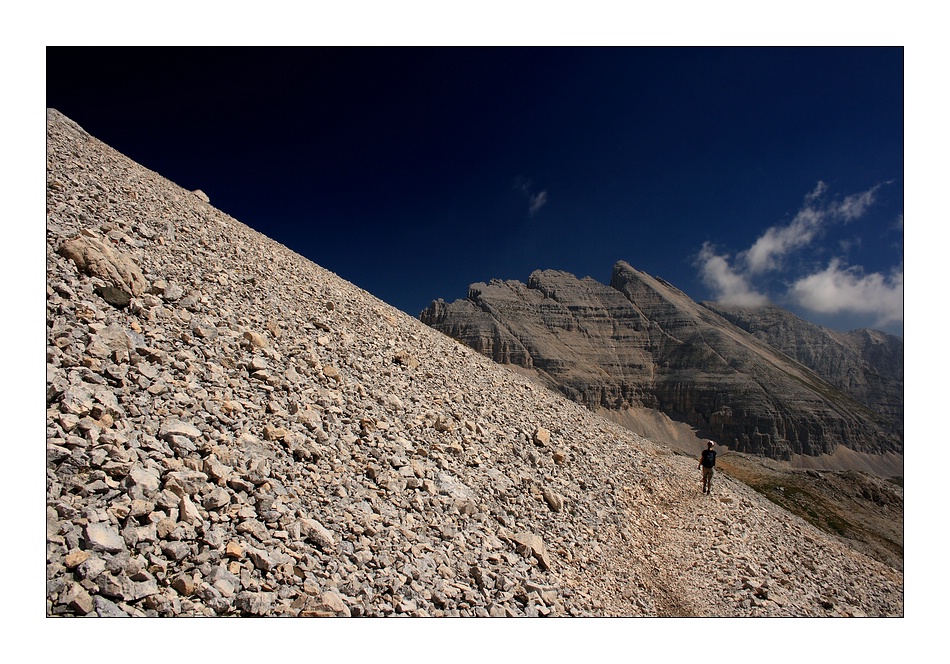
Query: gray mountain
(641,342)
(867,364)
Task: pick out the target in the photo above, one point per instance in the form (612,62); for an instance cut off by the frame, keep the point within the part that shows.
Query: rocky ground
(863,510)
(234,431)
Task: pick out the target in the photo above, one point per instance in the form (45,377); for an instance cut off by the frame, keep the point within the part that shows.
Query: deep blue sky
(745,173)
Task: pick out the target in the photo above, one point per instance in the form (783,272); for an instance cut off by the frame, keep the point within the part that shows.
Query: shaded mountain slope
(867,364)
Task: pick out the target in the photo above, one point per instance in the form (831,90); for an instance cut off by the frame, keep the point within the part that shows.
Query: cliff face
(867,364)
(642,342)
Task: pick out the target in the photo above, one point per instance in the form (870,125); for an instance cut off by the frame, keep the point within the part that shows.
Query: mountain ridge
(866,363)
(640,342)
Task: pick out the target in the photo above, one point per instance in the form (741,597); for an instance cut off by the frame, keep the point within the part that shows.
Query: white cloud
(817,192)
(854,206)
(843,289)
(535,202)
(729,287)
(839,289)
(768,252)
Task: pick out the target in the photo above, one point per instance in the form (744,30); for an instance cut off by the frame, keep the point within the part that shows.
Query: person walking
(707,462)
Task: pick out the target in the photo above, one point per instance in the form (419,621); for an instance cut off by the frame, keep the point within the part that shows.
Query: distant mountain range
(759,380)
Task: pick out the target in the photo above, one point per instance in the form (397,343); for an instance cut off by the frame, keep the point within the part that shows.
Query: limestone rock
(531,544)
(541,437)
(103,537)
(254,603)
(554,500)
(314,531)
(867,364)
(174,427)
(95,257)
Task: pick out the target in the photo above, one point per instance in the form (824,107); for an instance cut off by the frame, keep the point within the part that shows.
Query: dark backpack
(709,458)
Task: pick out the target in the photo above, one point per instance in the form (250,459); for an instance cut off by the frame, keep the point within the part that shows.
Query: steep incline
(233,430)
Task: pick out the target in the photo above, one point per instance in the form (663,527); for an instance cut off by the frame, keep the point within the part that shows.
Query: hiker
(707,461)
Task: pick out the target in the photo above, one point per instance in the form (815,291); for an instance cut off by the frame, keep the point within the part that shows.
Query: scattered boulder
(96,257)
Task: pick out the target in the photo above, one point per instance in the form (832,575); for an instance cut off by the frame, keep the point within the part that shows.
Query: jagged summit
(234,431)
(641,342)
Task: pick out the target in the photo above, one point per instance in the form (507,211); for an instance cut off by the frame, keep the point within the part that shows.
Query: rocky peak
(642,342)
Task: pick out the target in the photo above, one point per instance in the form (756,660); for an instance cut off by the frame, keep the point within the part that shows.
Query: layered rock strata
(245,434)
(642,342)
(866,364)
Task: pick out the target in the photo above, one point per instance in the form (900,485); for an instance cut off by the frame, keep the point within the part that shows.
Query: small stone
(254,603)
(103,537)
(216,470)
(275,433)
(177,551)
(218,498)
(76,558)
(310,418)
(256,340)
(77,400)
(117,297)
(78,599)
(184,584)
(187,511)
(261,559)
(541,437)
(91,568)
(530,544)
(174,427)
(107,609)
(405,359)
(173,293)
(314,531)
(553,499)
(143,482)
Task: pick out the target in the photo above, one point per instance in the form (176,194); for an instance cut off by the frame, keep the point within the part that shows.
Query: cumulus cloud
(835,289)
(730,286)
(854,206)
(768,252)
(843,289)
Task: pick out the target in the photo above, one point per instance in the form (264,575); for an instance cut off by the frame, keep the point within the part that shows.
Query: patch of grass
(838,508)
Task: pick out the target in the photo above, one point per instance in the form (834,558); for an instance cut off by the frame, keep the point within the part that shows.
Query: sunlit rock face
(642,342)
